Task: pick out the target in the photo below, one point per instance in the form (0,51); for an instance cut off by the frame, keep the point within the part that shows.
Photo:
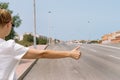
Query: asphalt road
(96,63)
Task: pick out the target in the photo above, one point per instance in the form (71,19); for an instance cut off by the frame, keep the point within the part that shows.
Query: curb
(25,72)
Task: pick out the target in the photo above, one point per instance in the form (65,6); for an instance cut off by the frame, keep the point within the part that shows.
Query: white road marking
(114,57)
(108,46)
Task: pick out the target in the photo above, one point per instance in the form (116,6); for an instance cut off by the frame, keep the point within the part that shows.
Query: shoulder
(11,41)
(15,45)
(8,43)
(7,47)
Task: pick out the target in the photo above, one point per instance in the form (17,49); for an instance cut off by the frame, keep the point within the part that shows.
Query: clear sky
(69,19)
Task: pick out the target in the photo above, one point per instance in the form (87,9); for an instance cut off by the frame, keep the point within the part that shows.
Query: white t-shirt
(10,55)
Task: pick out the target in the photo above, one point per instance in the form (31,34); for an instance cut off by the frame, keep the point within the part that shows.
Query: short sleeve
(20,50)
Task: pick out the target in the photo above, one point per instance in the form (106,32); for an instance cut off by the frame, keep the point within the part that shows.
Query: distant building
(111,38)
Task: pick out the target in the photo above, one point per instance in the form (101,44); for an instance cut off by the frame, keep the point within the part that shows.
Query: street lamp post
(34,5)
(49,39)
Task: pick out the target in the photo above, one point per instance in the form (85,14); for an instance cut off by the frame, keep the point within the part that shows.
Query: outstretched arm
(53,54)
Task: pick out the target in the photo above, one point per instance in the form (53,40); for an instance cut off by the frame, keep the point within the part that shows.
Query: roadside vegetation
(28,40)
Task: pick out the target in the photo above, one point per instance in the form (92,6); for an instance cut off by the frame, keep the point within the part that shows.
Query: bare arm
(36,54)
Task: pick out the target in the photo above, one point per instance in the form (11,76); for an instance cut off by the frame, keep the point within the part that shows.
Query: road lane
(95,64)
(104,53)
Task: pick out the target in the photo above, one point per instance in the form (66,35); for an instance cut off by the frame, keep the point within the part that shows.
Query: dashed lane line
(114,57)
(109,46)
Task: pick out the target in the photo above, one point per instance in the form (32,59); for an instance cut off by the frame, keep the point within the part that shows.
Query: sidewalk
(26,64)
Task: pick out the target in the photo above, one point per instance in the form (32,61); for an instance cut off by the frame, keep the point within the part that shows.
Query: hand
(75,53)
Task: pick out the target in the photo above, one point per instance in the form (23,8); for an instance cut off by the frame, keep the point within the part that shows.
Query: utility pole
(34,5)
(49,39)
